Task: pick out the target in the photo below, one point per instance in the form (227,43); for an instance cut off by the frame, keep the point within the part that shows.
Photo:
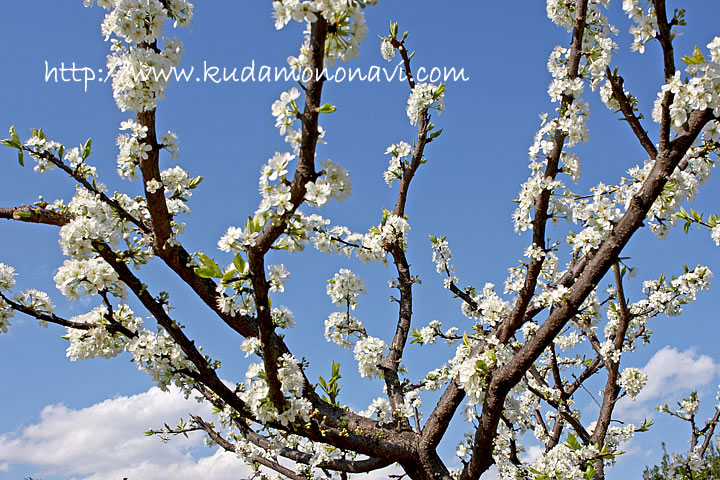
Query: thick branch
(391,362)
(25,213)
(503,379)
(306,163)
(517,317)
(305,173)
(206,373)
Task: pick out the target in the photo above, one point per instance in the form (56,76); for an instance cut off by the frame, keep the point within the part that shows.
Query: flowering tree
(519,360)
(701,462)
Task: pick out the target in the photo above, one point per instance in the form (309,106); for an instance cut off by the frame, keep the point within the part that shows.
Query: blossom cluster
(644,19)
(256,393)
(632,380)
(700,91)
(345,19)
(662,297)
(334,182)
(369,352)
(99,341)
(87,277)
(425,96)
(158,355)
(344,289)
(7,281)
(398,162)
(370,247)
(140,72)
(574,111)
(441,256)
(488,309)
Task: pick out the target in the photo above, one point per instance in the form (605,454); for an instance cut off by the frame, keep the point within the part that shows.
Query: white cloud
(672,374)
(106,441)
(219,466)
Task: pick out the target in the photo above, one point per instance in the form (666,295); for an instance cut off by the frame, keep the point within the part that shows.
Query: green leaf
(327,108)
(14,135)
(86,149)
(589,473)
(239,264)
(9,142)
(393,29)
(194,182)
(227,276)
(697,57)
(209,268)
(434,135)
(20,158)
(386,215)
(573,442)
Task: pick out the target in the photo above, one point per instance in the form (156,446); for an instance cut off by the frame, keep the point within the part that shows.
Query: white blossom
(632,380)
(369,352)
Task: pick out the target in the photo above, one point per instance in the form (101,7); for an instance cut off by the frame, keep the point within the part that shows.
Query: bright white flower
(99,342)
(369,352)
(169,141)
(423,97)
(344,288)
(428,335)
(158,355)
(228,240)
(36,300)
(285,110)
(282,317)
(87,277)
(632,380)
(278,276)
(277,165)
(338,180)
(7,277)
(380,409)
(398,162)
(715,234)
(153,186)
(387,50)
(6,313)
(689,406)
(251,345)
(340,327)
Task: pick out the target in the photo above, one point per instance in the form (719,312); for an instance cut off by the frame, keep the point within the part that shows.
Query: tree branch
(504,378)
(113,327)
(612,388)
(616,83)
(26,213)
(665,38)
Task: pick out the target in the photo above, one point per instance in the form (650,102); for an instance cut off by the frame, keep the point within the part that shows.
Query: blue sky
(226,133)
